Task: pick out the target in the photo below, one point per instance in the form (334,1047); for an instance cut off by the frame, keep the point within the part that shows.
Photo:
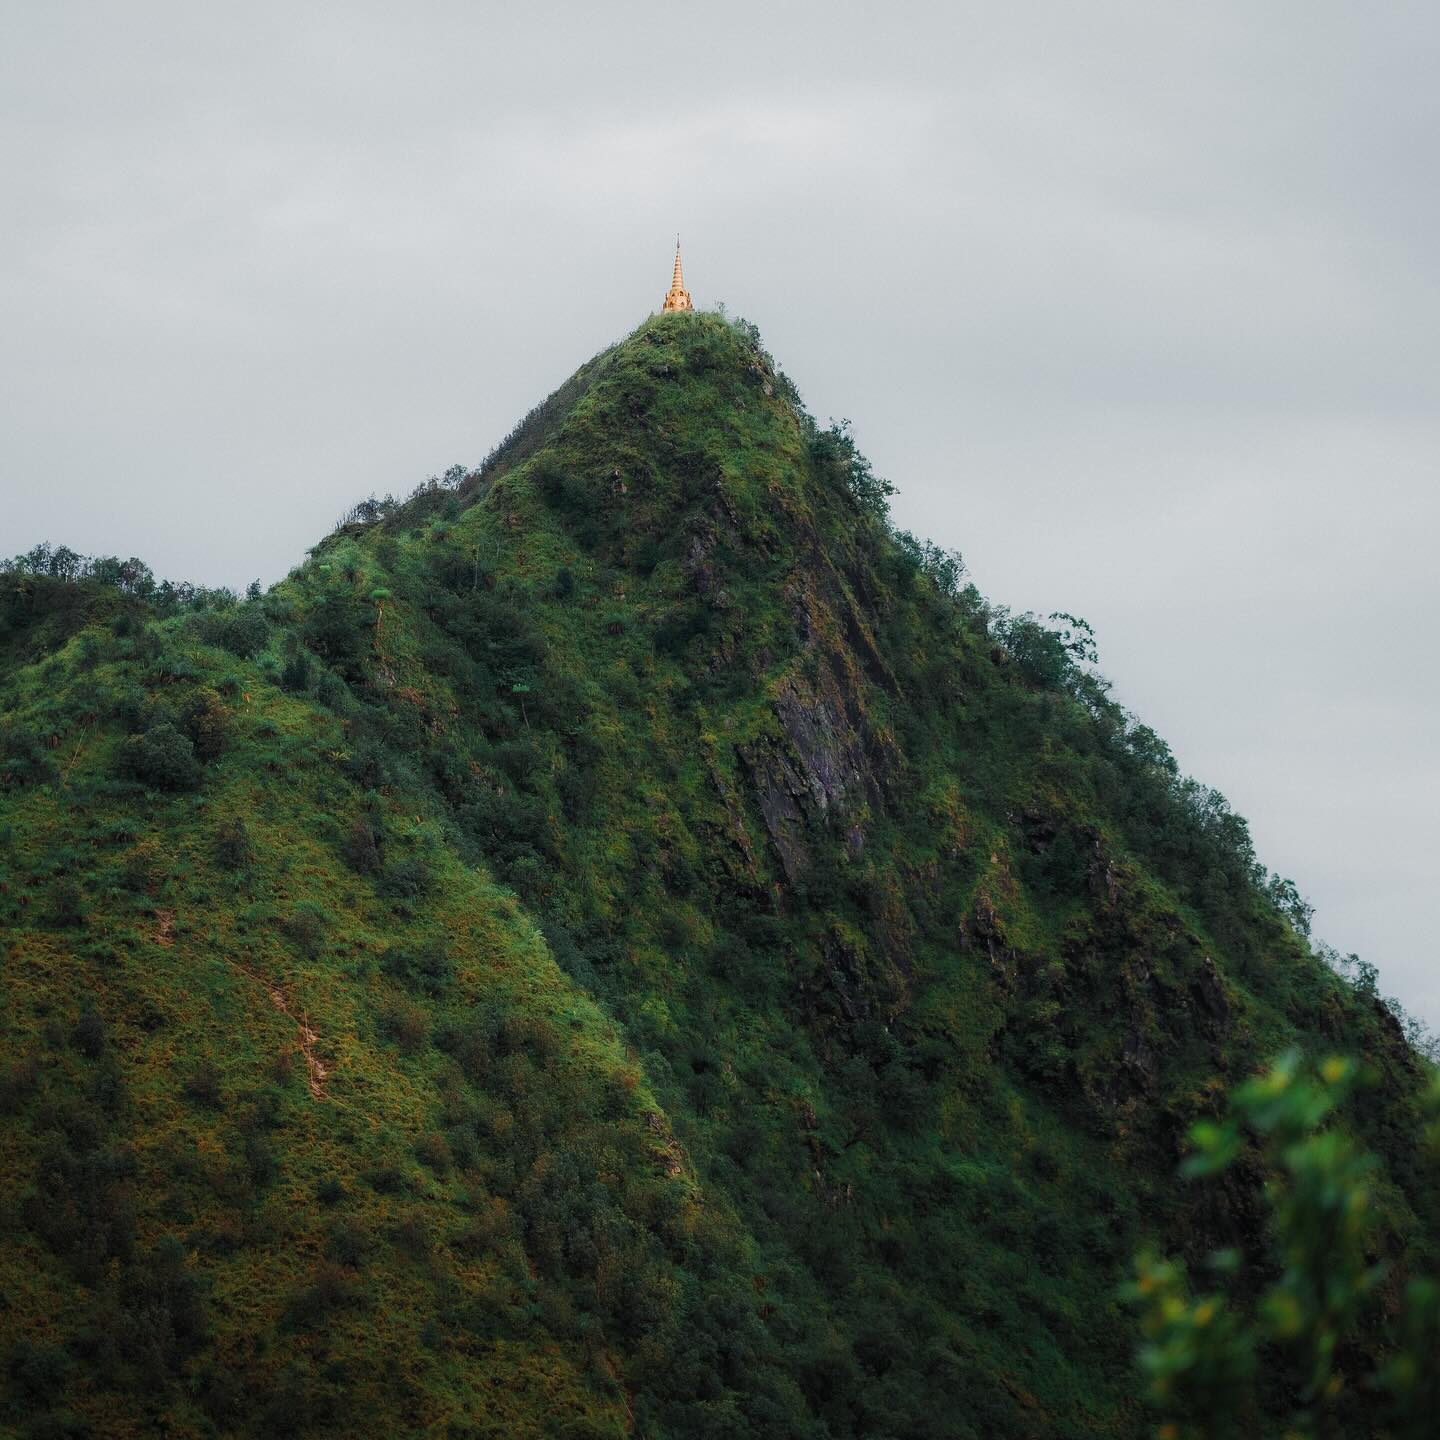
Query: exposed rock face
(846,972)
(828,749)
(780,792)
(698,567)
(825,767)
(1209,992)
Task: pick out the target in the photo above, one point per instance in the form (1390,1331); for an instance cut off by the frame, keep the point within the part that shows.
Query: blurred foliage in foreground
(1285,1324)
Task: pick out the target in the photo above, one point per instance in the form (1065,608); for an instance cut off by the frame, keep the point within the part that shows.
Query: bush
(411,1235)
(433,1153)
(165,1311)
(162,758)
(384,1180)
(405,879)
(17,1083)
(838,461)
(202,1085)
(305,928)
(262,1165)
(295,675)
(139,867)
(406,1024)
(362,847)
(369,766)
(425,968)
(66,910)
(88,1035)
(241,630)
(331,1288)
(339,629)
(234,849)
(331,691)
(203,717)
(39,1372)
(58,1425)
(347,1243)
(24,761)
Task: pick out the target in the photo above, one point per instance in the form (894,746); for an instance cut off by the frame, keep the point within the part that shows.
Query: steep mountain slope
(624,943)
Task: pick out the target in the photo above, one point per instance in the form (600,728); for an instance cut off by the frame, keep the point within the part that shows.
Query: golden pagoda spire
(679,296)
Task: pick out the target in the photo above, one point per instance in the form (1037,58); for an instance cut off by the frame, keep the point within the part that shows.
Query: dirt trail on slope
(317,1072)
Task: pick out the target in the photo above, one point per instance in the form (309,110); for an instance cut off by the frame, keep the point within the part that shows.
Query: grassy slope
(748,1001)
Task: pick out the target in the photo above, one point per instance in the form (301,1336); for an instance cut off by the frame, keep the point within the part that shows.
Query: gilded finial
(679,296)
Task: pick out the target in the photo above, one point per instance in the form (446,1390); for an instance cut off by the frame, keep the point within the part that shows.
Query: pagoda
(679,296)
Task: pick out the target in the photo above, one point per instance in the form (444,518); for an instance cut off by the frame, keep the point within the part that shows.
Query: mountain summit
(620,943)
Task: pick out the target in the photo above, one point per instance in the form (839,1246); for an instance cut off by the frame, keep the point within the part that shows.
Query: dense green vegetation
(619,942)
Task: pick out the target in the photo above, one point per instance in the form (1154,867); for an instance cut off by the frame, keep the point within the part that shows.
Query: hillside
(622,942)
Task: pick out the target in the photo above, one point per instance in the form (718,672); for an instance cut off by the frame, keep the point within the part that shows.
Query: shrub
(405,879)
(433,1153)
(241,630)
(17,1083)
(162,758)
(234,849)
(838,460)
(202,1085)
(88,1035)
(24,761)
(385,1180)
(66,910)
(305,928)
(362,847)
(164,1311)
(138,867)
(369,766)
(203,717)
(406,1024)
(295,674)
(347,1243)
(39,1372)
(339,629)
(261,1163)
(425,968)
(473,1043)
(331,1288)
(331,691)
(58,1425)
(79,1204)
(411,1235)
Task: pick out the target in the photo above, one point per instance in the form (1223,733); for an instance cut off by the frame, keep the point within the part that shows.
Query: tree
(1077,636)
(1285,896)
(837,457)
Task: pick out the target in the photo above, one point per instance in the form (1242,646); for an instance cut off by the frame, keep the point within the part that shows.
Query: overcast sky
(1138,305)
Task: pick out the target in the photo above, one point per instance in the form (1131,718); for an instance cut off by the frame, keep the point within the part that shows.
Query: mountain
(621,942)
